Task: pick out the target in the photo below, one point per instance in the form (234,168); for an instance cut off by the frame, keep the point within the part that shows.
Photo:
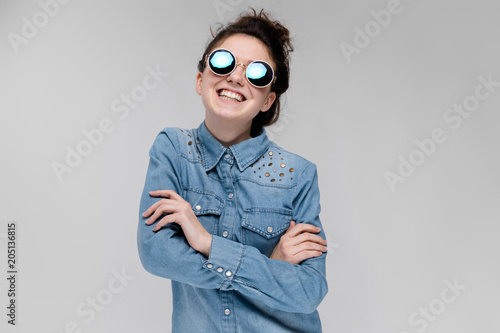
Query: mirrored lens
(222,62)
(259,73)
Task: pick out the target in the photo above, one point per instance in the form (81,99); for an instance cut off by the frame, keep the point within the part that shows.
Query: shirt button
(230,195)
(225,234)
(220,269)
(198,207)
(227,156)
(229,273)
(210,266)
(269,229)
(227,312)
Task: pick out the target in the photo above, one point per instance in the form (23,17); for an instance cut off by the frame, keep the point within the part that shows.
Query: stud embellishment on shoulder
(267,174)
(272,180)
(270,153)
(291,169)
(190,143)
(269,164)
(283,165)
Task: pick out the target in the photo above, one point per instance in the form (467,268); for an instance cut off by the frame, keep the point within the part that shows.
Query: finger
(304,227)
(306,255)
(292,224)
(165,193)
(160,193)
(164,221)
(309,237)
(154,207)
(165,208)
(309,246)
(306,237)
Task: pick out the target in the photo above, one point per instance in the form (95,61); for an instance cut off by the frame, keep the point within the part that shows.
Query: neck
(228,133)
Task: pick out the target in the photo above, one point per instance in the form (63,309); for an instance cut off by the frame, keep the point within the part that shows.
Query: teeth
(231,95)
(229,99)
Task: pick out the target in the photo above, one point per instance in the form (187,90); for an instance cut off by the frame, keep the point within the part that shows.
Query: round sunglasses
(259,73)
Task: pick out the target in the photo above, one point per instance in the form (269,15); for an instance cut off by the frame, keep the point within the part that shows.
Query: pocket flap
(267,222)
(204,202)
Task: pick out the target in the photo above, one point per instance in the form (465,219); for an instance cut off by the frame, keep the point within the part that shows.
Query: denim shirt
(245,196)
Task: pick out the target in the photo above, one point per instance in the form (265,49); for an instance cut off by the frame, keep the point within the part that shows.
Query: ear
(269,101)
(199,77)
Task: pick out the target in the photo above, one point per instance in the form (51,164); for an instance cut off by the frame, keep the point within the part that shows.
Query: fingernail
(143,213)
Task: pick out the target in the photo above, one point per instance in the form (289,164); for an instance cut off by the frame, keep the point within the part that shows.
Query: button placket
(229,209)
(226,298)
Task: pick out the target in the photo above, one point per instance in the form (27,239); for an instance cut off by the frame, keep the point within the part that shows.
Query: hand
(299,243)
(179,211)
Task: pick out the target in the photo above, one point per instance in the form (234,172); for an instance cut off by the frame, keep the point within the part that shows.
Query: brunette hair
(277,40)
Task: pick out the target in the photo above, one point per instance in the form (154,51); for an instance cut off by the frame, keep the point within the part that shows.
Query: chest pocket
(263,227)
(206,206)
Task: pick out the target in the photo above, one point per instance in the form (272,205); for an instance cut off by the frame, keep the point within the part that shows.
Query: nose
(238,75)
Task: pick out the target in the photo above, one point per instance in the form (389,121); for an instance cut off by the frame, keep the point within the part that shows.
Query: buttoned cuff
(224,259)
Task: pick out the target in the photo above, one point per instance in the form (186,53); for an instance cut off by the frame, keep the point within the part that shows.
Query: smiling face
(230,101)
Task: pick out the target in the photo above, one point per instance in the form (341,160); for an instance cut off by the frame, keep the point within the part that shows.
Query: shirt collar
(245,152)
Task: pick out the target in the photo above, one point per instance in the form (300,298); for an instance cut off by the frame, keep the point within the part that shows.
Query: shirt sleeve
(278,284)
(166,253)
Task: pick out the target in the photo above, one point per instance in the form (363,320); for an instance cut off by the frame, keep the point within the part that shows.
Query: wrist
(206,244)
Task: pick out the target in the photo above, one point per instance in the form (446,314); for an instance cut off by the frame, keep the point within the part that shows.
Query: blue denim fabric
(245,196)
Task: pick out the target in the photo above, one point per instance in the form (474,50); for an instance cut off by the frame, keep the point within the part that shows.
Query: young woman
(230,217)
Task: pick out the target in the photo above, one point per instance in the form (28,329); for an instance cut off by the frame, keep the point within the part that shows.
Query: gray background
(390,251)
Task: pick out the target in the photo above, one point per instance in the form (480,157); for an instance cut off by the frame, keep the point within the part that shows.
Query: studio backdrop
(396,101)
